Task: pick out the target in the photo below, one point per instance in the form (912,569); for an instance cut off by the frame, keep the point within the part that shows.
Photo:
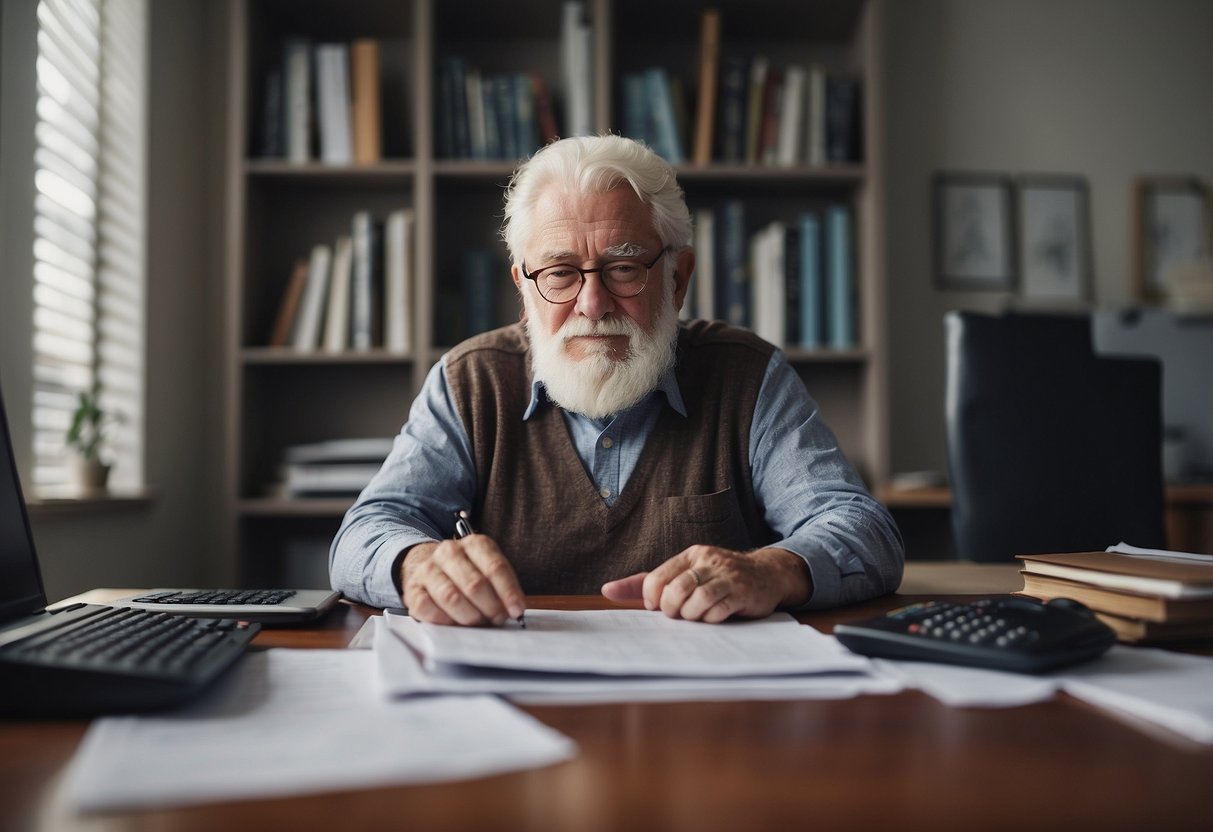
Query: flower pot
(91,475)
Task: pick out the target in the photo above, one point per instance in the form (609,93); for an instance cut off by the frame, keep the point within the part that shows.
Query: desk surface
(872,762)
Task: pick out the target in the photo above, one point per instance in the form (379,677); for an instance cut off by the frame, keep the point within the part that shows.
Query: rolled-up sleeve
(814,499)
(428,476)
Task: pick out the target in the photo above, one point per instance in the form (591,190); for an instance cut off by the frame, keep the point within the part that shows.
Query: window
(89,228)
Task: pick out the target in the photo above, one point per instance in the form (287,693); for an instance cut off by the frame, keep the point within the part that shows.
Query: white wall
(173,540)
(1105,89)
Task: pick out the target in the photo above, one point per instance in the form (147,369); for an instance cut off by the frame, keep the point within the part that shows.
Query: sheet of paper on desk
(402,673)
(301,721)
(637,643)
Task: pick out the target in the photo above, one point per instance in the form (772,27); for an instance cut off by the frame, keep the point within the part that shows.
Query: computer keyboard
(218,596)
(117,660)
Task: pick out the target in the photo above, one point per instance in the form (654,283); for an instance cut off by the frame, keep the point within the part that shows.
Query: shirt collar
(668,384)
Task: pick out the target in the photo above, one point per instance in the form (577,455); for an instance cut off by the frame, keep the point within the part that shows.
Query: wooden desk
(900,762)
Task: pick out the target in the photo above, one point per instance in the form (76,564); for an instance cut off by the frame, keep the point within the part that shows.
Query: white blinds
(89,220)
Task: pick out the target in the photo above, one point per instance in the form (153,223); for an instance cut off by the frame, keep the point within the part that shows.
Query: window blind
(89,229)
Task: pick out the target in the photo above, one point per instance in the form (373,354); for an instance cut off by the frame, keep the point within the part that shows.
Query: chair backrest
(1050,447)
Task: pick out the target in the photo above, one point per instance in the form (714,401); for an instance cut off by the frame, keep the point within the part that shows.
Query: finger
(657,580)
(422,607)
(496,568)
(677,592)
(461,562)
(449,597)
(704,598)
(630,588)
(722,610)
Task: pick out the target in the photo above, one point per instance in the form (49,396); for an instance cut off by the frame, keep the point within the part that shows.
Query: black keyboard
(117,660)
(259,597)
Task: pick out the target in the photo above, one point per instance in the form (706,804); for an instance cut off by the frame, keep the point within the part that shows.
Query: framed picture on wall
(1054,239)
(1171,228)
(973,231)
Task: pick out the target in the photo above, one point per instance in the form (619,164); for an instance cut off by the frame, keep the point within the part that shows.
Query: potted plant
(86,436)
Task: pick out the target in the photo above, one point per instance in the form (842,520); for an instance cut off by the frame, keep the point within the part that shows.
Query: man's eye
(623,271)
(560,273)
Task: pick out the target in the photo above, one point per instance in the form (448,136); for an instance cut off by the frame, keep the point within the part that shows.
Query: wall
(1105,89)
(173,539)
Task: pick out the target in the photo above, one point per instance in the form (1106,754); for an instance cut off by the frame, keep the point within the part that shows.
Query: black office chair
(1050,447)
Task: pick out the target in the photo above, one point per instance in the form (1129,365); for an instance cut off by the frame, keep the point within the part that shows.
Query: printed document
(288,722)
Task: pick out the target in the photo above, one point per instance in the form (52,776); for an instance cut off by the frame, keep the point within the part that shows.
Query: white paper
(301,721)
(1159,554)
(1174,690)
(637,643)
(402,673)
(970,687)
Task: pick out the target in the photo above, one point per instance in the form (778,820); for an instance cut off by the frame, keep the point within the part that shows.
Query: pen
(463,528)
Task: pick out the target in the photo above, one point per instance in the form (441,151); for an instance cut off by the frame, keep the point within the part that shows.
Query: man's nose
(594,301)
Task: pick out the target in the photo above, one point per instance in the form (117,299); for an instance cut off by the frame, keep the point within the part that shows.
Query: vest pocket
(712,519)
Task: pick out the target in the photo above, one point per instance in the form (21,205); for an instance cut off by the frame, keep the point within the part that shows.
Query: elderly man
(600,445)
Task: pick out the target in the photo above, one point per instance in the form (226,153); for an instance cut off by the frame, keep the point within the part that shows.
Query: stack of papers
(621,656)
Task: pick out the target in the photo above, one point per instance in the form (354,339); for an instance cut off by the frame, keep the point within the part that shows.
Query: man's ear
(682,275)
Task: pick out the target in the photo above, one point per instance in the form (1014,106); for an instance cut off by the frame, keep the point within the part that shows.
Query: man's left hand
(710,584)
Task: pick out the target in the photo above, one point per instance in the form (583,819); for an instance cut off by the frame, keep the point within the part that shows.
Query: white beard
(598,385)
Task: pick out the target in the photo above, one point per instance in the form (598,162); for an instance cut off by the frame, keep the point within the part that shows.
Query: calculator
(1006,633)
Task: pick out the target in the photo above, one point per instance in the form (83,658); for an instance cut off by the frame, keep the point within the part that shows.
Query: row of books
(333,467)
(355,294)
(325,102)
(474,303)
(491,116)
(793,282)
(1144,596)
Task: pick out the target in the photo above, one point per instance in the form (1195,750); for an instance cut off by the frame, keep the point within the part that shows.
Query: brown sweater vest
(691,485)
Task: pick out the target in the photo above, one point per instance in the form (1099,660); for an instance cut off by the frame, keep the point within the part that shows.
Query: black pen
(463,528)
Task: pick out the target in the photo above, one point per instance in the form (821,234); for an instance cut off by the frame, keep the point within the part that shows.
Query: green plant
(90,425)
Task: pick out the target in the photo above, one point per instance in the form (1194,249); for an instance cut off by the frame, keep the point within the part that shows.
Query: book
(755,96)
(843,139)
(1137,630)
(575,63)
(1127,604)
(840,278)
(790,142)
(812,312)
(367,121)
(524,114)
(366,279)
(709,61)
(298,99)
(732,120)
(337,313)
(665,132)
(398,280)
(361,449)
(815,117)
(280,336)
(329,478)
(791,284)
(305,336)
(545,116)
(704,289)
(732,276)
(273,142)
(768,121)
(1169,578)
(333,103)
(770,292)
(477,129)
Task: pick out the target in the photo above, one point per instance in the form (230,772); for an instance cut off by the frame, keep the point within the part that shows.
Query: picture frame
(1054,239)
(1171,225)
(974,233)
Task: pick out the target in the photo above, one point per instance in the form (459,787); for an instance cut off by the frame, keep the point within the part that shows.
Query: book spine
(545,116)
(575,55)
(297,60)
(754,96)
(792,118)
(705,265)
(337,316)
(733,302)
(732,109)
(815,133)
(791,285)
(810,282)
(360,292)
(306,336)
(368,129)
(288,310)
(666,143)
(709,61)
(524,113)
(333,103)
(273,143)
(477,141)
(842,118)
(841,278)
(398,289)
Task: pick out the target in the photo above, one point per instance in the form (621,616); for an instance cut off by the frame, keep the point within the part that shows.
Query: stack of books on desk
(1154,597)
(333,468)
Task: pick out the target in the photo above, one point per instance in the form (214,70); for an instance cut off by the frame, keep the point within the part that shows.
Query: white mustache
(581,327)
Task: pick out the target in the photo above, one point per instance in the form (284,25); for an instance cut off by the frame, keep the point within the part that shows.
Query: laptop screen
(21,589)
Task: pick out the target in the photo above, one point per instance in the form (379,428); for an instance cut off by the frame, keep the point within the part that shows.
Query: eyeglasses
(562,283)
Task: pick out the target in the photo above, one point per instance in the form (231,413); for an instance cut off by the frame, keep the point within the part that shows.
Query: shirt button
(605,493)
(606,442)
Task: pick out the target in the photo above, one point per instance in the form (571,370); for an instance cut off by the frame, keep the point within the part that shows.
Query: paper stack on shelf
(336,467)
(1144,595)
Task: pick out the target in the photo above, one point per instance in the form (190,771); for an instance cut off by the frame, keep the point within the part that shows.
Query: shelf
(390,171)
(280,355)
(285,507)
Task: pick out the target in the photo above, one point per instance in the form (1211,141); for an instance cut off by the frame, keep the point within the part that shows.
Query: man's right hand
(467,581)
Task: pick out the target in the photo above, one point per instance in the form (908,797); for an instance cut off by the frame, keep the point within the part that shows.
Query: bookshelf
(277,397)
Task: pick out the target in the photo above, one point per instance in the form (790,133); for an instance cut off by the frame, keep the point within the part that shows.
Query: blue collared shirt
(811,495)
